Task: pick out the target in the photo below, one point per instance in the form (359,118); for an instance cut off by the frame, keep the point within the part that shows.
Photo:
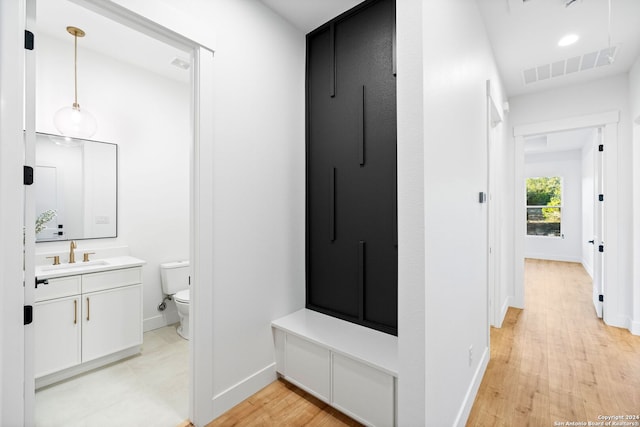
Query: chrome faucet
(72,255)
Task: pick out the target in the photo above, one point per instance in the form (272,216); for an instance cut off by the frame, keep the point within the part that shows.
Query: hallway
(556,361)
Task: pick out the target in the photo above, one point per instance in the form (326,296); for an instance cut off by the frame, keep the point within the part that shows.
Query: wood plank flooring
(282,404)
(556,361)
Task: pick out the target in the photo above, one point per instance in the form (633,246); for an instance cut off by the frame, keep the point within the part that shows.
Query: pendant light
(72,121)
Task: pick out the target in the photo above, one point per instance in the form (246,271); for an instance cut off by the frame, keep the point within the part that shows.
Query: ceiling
(307,15)
(109,38)
(524,36)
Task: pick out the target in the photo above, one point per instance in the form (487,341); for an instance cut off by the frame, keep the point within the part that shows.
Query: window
(544,206)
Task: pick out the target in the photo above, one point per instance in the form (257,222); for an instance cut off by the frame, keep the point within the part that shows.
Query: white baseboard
(588,268)
(635,328)
(235,394)
(554,257)
(472,391)
(154,322)
(503,310)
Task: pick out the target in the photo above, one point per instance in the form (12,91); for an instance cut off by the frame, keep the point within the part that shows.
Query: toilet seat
(182,296)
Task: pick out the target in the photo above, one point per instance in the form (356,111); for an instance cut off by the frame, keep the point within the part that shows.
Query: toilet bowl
(182,304)
(175,282)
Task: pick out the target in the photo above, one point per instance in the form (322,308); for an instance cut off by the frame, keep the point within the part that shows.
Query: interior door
(29,216)
(598,228)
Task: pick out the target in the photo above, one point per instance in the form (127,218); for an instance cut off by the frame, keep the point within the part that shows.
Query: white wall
(590,98)
(445,57)
(568,166)
(147,115)
(634,91)
(258,189)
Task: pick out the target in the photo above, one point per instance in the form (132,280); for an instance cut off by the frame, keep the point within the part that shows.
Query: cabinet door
(111,321)
(56,325)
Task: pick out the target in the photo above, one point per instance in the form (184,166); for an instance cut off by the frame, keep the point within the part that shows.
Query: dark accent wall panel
(351,167)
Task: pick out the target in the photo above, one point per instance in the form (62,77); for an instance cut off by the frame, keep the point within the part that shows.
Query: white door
(598,228)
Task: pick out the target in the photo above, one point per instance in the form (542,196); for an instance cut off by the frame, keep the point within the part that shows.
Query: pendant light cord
(75,71)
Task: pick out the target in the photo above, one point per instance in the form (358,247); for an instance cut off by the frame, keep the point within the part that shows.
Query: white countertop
(93,266)
(369,346)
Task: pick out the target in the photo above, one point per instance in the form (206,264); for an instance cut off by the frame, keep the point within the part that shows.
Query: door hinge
(601,197)
(601,248)
(28,314)
(28,40)
(601,147)
(27,175)
(601,298)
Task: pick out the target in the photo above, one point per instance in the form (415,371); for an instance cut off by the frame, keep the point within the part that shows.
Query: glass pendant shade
(74,122)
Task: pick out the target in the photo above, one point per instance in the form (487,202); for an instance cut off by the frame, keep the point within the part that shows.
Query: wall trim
(472,391)
(588,268)
(240,391)
(155,322)
(589,120)
(609,123)
(508,301)
(553,257)
(635,328)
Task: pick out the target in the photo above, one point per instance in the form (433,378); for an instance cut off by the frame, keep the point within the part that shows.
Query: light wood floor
(282,404)
(555,360)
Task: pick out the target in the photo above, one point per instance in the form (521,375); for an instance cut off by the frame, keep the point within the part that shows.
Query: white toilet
(175,282)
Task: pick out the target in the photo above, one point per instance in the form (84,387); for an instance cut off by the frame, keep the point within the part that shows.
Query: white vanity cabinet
(112,312)
(86,320)
(57,334)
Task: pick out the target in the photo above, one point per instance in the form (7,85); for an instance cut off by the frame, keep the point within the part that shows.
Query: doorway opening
(142,105)
(563,180)
(199,157)
(602,191)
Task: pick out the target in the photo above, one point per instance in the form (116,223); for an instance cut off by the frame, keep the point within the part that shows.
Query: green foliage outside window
(544,205)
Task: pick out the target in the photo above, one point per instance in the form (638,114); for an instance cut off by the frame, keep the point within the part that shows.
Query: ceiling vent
(575,64)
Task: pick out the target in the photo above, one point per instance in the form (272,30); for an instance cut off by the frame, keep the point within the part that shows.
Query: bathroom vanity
(86,315)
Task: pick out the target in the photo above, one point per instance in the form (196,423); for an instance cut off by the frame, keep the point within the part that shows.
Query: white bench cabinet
(348,366)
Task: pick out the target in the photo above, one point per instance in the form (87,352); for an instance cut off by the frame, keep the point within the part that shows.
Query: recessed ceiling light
(567,40)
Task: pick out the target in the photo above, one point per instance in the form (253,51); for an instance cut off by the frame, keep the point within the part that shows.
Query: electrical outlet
(470,355)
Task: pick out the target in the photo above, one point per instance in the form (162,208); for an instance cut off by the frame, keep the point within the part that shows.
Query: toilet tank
(174,276)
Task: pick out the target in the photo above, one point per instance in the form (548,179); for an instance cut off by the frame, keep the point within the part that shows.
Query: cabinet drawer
(111,279)
(58,288)
(308,366)
(363,392)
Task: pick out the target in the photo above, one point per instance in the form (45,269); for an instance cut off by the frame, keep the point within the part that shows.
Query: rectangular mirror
(76,183)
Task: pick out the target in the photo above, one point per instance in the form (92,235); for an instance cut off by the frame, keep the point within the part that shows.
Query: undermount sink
(49,271)
(74,266)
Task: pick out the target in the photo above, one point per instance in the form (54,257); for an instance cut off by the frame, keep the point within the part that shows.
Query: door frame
(608,121)
(14,369)
(12,59)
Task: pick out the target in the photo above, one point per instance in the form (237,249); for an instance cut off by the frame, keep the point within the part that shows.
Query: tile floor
(150,389)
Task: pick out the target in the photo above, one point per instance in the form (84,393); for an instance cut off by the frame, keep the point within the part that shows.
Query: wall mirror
(76,183)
